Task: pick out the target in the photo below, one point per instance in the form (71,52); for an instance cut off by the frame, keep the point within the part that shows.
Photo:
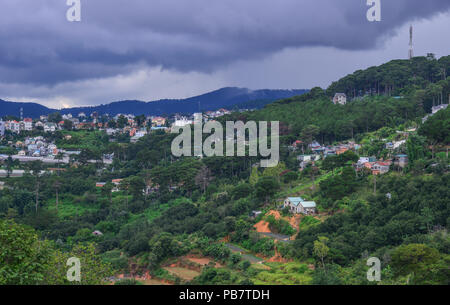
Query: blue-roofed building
(298,205)
(389,145)
(159,128)
(293,201)
(401,160)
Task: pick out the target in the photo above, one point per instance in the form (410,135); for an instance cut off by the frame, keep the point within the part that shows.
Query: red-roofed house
(380,168)
(28,124)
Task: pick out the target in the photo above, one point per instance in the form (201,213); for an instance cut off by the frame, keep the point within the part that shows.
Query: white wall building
(14,126)
(340,98)
(28,124)
(438,108)
(182,122)
(50,127)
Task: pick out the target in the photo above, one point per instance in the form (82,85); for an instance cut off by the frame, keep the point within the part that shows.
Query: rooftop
(308,204)
(296,200)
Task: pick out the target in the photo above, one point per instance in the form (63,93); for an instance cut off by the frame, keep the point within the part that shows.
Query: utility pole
(411,49)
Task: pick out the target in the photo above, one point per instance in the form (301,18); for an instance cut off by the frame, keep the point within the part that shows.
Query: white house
(340,98)
(97,233)
(380,167)
(50,127)
(14,126)
(182,122)
(305,158)
(139,134)
(111,131)
(437,108)
(298,205)
(434,110)
(28,124)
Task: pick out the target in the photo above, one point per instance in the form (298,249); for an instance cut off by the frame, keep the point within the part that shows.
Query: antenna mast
(411,49)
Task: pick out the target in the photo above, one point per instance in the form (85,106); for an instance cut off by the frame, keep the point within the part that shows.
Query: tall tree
(107,191)
(203,178)
(321,249)
(309,133)
(57,186)
(36,169)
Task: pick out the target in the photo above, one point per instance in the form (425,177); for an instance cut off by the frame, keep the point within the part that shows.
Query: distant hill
(229,98)
(29,109)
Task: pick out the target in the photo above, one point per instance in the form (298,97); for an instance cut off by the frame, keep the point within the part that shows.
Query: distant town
(39,147)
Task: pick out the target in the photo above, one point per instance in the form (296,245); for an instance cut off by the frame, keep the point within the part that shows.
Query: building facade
(298,205)
(340,98)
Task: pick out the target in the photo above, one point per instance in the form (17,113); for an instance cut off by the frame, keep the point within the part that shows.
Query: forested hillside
(337,122)
(423,76)
(219,220)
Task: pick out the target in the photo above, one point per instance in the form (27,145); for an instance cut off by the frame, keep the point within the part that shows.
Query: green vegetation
(82,139)
(30,261)
(280,226)
(166,208)
(284,274)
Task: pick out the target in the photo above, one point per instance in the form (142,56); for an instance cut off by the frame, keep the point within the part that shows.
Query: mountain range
(229,98)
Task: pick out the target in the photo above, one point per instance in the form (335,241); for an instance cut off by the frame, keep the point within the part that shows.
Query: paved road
(252,259)
(15,173)
(279,237)
(235,248)
(48,160)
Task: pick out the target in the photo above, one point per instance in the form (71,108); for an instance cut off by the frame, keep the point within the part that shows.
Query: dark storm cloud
(38,45)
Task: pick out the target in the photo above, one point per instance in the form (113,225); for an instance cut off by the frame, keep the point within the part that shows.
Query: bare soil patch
(183,273)
(200,260)
(262,227)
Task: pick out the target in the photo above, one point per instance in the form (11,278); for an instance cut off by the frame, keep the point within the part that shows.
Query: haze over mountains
(229,98)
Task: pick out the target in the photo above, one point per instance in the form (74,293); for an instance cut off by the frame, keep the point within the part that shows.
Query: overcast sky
(152,49)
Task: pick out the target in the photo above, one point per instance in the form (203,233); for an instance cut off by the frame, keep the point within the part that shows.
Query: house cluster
(137,134)
(298,205)
(402,136)
(28,124)
(216,114)
(134,132)
(158,121)
(394,145)
(320,151)
(149,188)
(135,128)
(115,182)
(18,126)
(380,167)
(377,167)
(307,159)
(182,121)
(333,150)
(36,147)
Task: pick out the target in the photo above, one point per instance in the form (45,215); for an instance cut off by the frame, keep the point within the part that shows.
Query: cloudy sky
(152,49)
